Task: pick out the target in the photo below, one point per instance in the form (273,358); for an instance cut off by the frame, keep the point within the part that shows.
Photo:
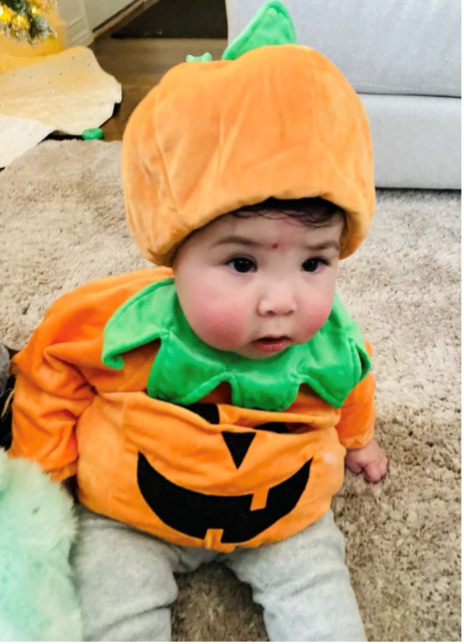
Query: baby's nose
(277,302)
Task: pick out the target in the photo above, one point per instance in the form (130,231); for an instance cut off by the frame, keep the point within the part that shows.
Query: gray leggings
(126,582)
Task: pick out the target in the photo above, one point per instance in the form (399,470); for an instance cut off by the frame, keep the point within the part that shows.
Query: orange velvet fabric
(73,415)
(280,121)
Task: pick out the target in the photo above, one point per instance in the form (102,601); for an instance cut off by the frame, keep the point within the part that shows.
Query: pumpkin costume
(165,433)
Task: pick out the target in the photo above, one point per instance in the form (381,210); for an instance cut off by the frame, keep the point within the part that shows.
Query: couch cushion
(416,140)
(389,47)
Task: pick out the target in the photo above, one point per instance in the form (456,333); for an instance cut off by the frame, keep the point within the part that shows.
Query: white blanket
(68,91)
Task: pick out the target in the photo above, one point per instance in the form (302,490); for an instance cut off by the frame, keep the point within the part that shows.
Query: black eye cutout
(276,428)
(210,412)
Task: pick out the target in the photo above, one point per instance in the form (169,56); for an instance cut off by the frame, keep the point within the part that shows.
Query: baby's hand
(370,461)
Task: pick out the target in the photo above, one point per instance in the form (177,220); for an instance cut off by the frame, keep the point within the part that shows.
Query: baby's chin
(254,354)
(248,350)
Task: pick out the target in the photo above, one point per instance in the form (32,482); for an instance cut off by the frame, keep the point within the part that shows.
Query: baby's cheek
(321,314)
(314,319)
(222,326)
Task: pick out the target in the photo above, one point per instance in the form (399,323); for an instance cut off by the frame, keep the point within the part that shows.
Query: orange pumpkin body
(235,477)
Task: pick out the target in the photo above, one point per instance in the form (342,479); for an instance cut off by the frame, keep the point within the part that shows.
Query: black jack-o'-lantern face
(193,513)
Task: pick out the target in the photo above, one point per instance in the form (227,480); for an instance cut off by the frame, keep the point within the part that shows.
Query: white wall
(99,11)
(73,13)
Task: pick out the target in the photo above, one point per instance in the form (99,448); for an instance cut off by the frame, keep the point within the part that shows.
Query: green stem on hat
(271,25)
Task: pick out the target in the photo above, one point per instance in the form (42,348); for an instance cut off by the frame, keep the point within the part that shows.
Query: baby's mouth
(271,344)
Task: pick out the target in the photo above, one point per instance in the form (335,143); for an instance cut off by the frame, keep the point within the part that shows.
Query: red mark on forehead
(275,246)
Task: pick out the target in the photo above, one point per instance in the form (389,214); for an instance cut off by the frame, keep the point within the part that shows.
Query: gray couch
(403,58)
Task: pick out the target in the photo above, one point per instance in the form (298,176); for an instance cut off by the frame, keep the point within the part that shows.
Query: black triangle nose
(238,445)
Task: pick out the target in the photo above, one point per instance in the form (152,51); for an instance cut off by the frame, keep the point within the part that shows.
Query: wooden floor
(138,65)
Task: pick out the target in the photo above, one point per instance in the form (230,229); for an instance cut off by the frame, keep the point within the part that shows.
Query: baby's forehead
(269,230)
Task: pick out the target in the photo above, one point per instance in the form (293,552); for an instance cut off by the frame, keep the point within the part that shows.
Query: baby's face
(256,285)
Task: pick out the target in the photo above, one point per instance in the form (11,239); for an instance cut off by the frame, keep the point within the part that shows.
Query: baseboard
(98,31)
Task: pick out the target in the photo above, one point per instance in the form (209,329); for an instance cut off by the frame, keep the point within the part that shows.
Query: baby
(208,407)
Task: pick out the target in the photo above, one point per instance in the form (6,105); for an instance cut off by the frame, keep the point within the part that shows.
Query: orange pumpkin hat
(272,119)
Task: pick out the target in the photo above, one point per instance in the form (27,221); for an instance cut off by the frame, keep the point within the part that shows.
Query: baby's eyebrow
(325,246)
(237,239)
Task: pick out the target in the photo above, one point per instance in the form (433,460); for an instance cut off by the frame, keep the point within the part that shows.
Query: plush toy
(37,598)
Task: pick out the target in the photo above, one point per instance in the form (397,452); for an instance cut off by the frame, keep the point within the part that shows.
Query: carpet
(62,224)
(178,19)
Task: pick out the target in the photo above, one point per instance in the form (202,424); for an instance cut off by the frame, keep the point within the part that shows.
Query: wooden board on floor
(139,64)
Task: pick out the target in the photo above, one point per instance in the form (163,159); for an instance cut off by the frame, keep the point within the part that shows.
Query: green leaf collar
(186,369)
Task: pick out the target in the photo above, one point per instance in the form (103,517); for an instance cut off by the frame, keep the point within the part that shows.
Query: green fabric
(38,598)
(205,58)
(271,25)
(186,369)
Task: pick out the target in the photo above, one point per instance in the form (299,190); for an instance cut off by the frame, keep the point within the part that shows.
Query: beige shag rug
(62,224)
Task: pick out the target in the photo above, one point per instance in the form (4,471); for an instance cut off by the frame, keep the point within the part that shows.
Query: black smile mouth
(193,513)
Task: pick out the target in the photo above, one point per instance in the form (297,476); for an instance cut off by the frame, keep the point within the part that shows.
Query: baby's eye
(311,265)
(241,264)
